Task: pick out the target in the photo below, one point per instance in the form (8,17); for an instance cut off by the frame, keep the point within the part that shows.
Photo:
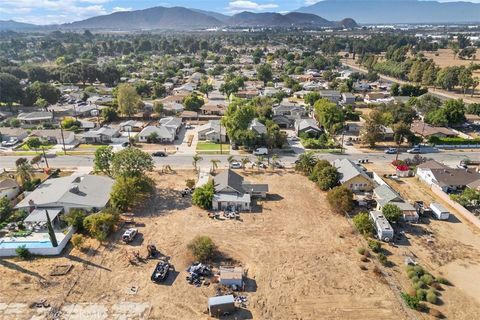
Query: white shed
(439,211)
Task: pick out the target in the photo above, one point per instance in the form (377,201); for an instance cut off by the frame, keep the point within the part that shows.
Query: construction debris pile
(197,273)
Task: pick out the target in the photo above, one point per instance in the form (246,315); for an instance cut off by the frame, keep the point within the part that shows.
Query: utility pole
(45,157)
(343,136)
(63,139)
(221,144)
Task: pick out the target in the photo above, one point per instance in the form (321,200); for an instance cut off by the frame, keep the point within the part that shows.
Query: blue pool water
(27,244)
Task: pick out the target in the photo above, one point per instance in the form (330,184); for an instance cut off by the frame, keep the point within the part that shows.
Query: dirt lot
(301,260)
(453,254)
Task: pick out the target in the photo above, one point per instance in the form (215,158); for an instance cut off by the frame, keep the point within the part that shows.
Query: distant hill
(396,11)
(152,18)
(14,25)
(216,15)
(273,19)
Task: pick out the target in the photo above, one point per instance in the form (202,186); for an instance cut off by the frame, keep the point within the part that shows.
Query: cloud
(119,9)
(310,2)
(242,5)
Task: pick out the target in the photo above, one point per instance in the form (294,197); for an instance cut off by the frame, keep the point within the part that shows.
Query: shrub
(75,219)
(427,279)
(391,212)
(362,267)
(419,285)
(361,250)
(375,245)
(432,296)
(202,248)
(363,224)
(23,253)
(421,294)
(190,183)
(418,270)
(410,301)
(382,259)
(340,199)
(78,240)
(101,224)
(415,278)
(203,196)
(442,281)
(436,286)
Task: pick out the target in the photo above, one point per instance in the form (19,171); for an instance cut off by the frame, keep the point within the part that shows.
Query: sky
(60,11)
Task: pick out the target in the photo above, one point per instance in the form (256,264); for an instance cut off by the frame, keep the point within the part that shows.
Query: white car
(235,165)
(129,235)
(260,152)
(10,143)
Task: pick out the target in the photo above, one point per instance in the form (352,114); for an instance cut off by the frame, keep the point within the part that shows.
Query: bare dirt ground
(301,260)
(454,252)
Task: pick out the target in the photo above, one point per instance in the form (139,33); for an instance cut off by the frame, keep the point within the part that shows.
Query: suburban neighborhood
(176,163)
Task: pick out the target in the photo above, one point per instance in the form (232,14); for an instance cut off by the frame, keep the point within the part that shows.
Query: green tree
(193,102)
(129,191)
(101,224)
(264,73)
(401,131)
(103,160)
(306,162)
(78,240)
(203,196)
(391,212)
(395,89)
(24,170)
(11,90)
(128,100)
(75,218)
(202,248)
(214,163)
(244,161)
(340,199)
(158,107)
(363,223)
(329,115)
(34,143)
(109,114)
(131,162)
(372,130)
(205,88)
(311,97)
(327,178)
(51,232)
(6,208)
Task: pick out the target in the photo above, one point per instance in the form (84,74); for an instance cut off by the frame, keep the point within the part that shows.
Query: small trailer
(439,211)
(382,226)
(221,305)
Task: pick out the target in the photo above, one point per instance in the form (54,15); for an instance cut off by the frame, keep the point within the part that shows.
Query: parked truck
(439,211)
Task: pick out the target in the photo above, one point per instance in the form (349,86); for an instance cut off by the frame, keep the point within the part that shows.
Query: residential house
(231,190)
(35,117)
(214,108)
(104,134)
(7,134)
(131,126)
(160,133)
(9,188)
(247,94)
(54,136)
(173,108)
(71,192)
(331,95)
(377,97)
(348,98)
(446,178)
(352,176)
(172,123)
(425,130)
(308,126)
(212,131)
(384,195)
(257,127)
(290,110)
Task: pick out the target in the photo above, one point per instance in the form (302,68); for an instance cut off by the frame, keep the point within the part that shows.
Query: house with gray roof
(156,134)
(72,192)
(7,134)
(352,176)
(212,131)
(257,127)
(172,123)
(446,178)
(384,195)
(308,126)
(35,117)
(104,134)
(232,191)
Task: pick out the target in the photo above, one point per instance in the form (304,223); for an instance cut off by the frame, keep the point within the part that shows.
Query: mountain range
(397,11)
(327,13)
(182,18)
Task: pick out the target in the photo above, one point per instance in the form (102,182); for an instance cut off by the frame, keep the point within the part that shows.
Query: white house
(161,134)
(212,131)
(9,188)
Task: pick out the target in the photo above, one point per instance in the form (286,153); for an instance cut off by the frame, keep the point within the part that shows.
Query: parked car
(129,235)
(279,165)
(415,150)
(349,143)
(391,151)
(261,165)
(159,154)
(235,165)
(234,146)
(160,273)
(260,152)
(188,126)
(10,143)
(126,144)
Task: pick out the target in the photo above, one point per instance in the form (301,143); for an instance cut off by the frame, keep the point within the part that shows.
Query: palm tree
(259,161)
(230,159)
(244,162)
(305,163)
(24,170)
(214,163)
(196,159)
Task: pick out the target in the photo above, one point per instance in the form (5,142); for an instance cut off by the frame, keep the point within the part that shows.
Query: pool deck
(36,239)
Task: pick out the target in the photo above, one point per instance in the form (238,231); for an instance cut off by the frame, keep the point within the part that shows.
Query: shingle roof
(455,177)
(229,178)
(348,170)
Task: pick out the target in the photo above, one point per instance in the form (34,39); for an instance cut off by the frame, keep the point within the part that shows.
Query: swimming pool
(27,244)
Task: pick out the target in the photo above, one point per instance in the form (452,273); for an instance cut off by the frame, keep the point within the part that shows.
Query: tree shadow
(250,285)
(16,267)
(274,197)
(86,262)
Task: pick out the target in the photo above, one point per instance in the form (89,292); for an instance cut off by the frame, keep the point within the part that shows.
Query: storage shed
(439,211)
(231,276)
(218,306)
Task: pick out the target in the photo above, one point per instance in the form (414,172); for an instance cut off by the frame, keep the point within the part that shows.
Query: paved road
(179,161)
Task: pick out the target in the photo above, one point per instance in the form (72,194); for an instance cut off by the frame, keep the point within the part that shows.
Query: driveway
(296,146)
(182,142)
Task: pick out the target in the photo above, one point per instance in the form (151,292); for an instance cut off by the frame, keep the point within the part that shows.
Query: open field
(453,254)
(301,260)
(445,59)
